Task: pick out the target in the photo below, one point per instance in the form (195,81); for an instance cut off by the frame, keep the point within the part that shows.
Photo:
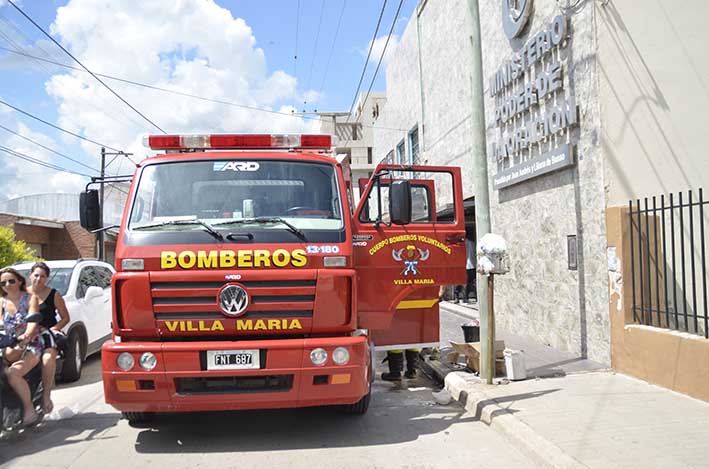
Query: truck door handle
(451,239)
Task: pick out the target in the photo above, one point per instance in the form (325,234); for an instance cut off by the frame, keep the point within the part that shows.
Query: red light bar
(164,142)
(238,141)
(316,141)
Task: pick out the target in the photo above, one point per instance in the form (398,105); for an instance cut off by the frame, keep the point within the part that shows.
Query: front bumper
(287,378)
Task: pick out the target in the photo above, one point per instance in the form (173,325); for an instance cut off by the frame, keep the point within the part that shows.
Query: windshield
(237,195)
(58,278)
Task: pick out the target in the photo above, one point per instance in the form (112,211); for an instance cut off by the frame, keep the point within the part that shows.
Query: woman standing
(49,302)
(15,309)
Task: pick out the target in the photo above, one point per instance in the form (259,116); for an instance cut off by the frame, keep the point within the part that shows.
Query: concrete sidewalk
(586,418)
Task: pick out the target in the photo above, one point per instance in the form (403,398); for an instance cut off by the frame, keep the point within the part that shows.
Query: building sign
(535,113)
(546,163)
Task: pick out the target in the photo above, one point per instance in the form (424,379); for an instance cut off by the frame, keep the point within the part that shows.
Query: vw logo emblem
(233,300)
(515,14)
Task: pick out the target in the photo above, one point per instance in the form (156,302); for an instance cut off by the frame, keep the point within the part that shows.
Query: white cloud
(192,46)
(378,48)
(171,45)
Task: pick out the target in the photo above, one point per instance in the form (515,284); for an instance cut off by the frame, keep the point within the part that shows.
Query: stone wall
(540,298)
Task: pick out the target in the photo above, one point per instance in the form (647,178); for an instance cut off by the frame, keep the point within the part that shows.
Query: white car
(86,288)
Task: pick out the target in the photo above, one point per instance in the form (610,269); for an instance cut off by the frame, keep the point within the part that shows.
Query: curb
(538,449)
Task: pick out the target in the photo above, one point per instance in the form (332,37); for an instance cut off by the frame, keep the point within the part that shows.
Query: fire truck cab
(247,278)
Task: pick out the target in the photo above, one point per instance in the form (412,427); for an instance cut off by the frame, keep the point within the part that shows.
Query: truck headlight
(125,361)
(318,356)
(341,356)
(148,361)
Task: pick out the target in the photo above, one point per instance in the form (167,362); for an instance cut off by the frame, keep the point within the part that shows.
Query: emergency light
(237,141)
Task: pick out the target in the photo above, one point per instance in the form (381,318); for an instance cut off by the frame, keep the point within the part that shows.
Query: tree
(12,250)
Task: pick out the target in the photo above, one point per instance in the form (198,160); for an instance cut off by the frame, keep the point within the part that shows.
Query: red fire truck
(247,278)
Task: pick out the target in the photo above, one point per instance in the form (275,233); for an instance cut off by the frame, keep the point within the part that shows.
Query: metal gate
(668,258)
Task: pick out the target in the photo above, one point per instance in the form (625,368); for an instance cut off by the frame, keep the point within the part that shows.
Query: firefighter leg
(396,365)
(412,360)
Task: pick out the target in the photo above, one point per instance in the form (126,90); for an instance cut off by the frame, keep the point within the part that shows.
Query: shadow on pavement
(503,401)
(55,434)
(390,419)
(552,370)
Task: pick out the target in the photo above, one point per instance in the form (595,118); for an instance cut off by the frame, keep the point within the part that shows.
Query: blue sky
(240,51)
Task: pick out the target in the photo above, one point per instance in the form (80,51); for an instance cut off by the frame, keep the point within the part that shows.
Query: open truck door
(408,240)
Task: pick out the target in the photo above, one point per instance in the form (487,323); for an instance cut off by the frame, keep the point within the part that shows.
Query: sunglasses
(12,281)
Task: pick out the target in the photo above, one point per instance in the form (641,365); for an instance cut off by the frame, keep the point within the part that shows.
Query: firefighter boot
(412,359)
(396,364)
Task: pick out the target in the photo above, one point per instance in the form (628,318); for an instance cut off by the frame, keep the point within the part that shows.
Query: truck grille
(234,384)
(198,300)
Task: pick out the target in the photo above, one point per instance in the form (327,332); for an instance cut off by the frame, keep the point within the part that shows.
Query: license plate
(233,359)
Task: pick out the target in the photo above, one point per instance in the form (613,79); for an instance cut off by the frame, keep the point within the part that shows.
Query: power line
(37,161)
(144,85)
(332,48)
(371,45)
(84,67)
(47,148)
(381,58)
(379,63)
(315,47)
(49,72)
(175,92)
(57,127)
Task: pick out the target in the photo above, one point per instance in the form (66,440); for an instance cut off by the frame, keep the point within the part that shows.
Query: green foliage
(12,250)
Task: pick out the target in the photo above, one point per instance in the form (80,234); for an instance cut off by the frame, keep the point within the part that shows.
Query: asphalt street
(403,428)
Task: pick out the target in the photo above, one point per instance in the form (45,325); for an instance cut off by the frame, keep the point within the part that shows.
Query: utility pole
(101,234)
(482,196)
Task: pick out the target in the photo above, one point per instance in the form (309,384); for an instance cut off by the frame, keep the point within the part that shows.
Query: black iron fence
(668,258)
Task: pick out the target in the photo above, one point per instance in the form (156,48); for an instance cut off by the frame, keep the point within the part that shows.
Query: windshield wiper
(263,220)
(207,227)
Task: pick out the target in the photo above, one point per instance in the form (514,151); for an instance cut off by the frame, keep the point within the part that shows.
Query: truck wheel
(360,407)
(73,360)
(138,417)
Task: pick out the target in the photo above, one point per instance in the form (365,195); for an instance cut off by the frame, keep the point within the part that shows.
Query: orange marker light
(125,385)
(341,379)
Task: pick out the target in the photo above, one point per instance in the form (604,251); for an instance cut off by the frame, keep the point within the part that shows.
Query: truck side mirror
(400,202)
(89,210)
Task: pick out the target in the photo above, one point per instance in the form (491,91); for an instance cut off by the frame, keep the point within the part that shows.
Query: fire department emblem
(515,14)
(410,256)
(233,300)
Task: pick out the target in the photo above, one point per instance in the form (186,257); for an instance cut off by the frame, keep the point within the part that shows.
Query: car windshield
(58,278)
(237,194)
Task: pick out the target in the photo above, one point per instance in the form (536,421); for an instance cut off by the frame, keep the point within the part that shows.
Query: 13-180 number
(322,249)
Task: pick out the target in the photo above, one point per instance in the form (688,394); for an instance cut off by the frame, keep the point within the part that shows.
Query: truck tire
(138,417)
(74,358)
(360,407)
